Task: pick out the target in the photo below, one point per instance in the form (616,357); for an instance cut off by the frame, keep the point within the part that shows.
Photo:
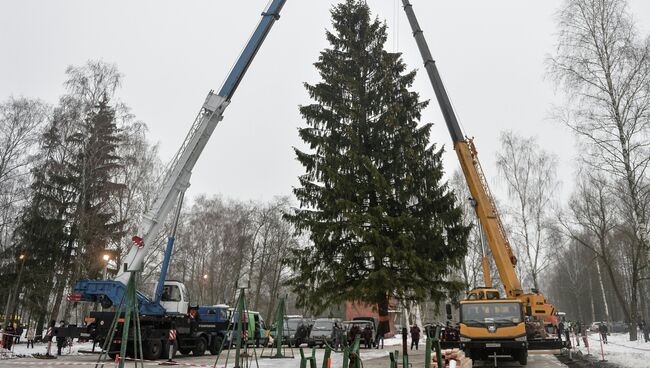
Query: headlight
(521,338)
(465,339)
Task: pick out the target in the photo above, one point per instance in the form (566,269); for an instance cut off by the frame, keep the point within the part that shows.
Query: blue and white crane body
(169,299)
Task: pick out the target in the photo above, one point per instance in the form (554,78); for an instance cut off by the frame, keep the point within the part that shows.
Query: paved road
(371,359)
(536,359)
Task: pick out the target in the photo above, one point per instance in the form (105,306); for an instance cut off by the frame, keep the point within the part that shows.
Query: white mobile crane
(203,327)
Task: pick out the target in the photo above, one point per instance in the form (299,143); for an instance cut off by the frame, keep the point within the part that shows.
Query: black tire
(201,346)
(113,350)
(522,357)
(152,349)
(185,351)
(216,346)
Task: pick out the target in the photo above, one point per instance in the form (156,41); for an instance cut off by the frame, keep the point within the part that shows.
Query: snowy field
(619,350)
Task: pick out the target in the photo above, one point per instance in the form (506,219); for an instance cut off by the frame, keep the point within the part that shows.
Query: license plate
(492,345)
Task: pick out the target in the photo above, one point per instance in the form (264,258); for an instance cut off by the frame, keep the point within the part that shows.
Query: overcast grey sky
(490,54)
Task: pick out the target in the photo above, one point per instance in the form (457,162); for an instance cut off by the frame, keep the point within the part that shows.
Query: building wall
(353,310)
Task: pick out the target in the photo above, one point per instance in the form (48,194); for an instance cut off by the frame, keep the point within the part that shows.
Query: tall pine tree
(381,220)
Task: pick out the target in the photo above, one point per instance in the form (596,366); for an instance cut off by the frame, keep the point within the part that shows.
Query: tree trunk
(382,311)
(633,311)
(591,298)
(58,295)
(602,290)
(644,306)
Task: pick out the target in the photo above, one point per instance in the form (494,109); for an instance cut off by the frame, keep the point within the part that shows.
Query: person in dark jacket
(560,330)
(379,338)
(353,333)
(8,336)
(415,336)
(60,340)
(367,336)
(602,328)
(644,330)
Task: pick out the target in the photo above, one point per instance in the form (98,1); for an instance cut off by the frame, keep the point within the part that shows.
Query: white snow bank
(619,350)
(41,348)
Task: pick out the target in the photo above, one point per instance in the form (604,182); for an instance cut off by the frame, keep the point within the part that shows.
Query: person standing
(560,330)
(338,336)
(415,336)
(367,336)
(646,331)
(567,333)
(61,341)
(31,335)
(380,336)
(48,337)
(577,330)
(19,332)
(602,328)
(9,336)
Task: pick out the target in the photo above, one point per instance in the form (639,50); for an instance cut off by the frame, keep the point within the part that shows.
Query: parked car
(296,331)
(594,326)
(619,327)
(322,332)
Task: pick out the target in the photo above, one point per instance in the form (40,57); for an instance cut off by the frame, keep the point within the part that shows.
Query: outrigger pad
(43,356)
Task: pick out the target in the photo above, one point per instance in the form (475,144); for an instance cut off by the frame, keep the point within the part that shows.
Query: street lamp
(106,258)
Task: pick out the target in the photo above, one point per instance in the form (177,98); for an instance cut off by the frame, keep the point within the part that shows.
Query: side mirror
(448,309)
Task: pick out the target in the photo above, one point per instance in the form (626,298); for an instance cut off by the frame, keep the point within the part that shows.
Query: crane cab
(483,294)
(174,297)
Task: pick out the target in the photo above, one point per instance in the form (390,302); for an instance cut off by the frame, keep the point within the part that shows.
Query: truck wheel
(216,346)
(184,351)
(523,357)
(152,349)
(201,345)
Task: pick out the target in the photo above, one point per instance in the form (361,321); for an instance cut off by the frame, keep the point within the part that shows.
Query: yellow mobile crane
(489,324)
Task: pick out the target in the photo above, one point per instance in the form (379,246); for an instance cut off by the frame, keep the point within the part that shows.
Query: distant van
(256,331)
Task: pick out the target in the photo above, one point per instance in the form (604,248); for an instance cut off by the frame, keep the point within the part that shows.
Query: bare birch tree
(604,68)
(530,174)
(21,121)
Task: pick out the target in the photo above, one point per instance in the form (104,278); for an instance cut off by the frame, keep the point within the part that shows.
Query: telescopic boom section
(177,177)
(464,147)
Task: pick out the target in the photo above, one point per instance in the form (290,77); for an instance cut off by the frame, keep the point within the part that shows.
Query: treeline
(220,242)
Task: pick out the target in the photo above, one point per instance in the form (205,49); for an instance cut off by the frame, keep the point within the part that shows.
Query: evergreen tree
(42,231)
(92,171)
(381,220)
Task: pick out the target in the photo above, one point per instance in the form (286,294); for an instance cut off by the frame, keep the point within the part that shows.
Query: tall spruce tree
(381,220)
(93,169)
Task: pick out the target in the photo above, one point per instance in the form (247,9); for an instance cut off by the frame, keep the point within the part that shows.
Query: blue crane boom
(177,179)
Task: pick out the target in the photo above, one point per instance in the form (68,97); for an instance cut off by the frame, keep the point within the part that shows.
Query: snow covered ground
(619,350)
(41,348)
